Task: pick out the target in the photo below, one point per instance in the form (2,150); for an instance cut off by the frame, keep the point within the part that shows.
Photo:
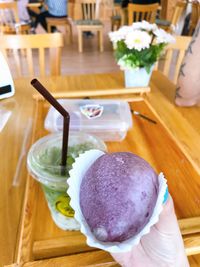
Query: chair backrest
(138,12)
(90,9)
(174,57)
(8,16)
(106,9)
(178,12)
(117,10)
(195,16)
(24,52)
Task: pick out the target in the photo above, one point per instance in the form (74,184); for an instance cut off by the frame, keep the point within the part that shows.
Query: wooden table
(178,127)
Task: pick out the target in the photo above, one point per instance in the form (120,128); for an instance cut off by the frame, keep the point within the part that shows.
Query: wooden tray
(42,243)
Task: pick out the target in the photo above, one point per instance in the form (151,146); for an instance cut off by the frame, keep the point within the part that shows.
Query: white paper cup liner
(80,166)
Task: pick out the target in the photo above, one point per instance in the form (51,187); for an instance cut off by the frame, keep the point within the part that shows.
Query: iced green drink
(43,163)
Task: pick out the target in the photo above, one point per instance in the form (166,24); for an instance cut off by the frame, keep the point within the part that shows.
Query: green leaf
(134,58)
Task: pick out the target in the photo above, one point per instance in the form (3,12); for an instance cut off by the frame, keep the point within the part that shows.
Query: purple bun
(117,196)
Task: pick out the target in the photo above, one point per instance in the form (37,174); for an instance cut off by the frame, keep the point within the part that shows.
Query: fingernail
(166,196)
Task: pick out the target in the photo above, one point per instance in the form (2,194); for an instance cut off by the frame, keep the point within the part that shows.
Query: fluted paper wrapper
(80,166)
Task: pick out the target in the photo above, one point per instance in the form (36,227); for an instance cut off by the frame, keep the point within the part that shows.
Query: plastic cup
(43,163)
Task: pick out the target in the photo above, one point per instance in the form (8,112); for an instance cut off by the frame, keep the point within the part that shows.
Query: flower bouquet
(138,47)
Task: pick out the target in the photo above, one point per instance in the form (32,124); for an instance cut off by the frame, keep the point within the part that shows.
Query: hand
(162,247)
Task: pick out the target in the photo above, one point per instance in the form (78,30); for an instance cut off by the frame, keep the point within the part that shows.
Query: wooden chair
(9,19)
(173,57)
(116,18)
(64,22)
(138,12)
(195,16)
(35,7)
(89,22)
(32,44)
(176,16)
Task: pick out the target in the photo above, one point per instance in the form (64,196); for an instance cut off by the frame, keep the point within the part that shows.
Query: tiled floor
(91,60)
(73,62)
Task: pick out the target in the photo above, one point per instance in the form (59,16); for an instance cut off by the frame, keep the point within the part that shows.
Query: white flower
(120,34)
(144,25)
(136,25)
(138,40)
(138,37)
(124,30)
(115,36)
(163,37)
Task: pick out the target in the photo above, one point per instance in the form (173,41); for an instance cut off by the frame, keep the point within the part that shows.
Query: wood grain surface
(161,144)
(150,141)
(11,140)
(182,123)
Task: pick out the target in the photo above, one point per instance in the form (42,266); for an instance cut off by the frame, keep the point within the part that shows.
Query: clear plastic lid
(91,115)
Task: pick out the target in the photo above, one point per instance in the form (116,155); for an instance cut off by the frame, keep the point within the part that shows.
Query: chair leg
(112,25)
(70,33)
(48,27)
(101,40)
(67,34)
(80,41)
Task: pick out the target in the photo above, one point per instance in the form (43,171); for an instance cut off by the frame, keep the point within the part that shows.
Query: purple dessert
(117,196)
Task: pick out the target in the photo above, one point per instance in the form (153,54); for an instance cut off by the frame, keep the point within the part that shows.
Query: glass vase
(137,77)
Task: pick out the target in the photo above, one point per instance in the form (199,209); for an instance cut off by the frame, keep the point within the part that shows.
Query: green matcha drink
(43,162)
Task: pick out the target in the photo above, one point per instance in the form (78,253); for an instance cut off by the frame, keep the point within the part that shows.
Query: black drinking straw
(66,119)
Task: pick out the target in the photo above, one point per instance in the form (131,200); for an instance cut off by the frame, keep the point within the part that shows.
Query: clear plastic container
(43,163)
(106,119)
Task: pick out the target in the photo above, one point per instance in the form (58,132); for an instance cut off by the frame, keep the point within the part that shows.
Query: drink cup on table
(43,161)
(51,158)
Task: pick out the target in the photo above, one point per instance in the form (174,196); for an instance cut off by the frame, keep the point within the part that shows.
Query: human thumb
(164,243)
